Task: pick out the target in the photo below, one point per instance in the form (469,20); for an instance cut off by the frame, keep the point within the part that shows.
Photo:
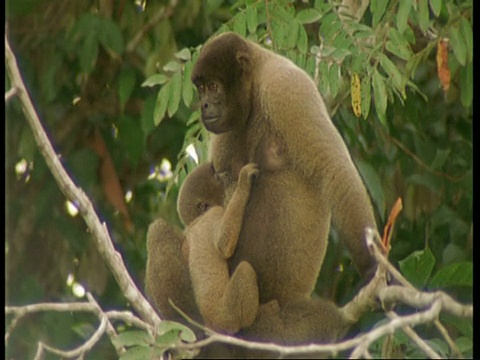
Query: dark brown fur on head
(219,60)
(226,62)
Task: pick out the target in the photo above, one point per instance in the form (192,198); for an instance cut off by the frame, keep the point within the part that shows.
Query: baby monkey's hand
(248,173)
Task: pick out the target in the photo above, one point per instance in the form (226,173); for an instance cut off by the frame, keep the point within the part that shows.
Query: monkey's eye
(203,207)
(213,86)
(201,88)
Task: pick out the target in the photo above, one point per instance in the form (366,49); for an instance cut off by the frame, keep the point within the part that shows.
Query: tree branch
(163,13)
(76,195)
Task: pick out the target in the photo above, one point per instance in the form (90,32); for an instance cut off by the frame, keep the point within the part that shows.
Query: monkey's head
(201,190)
(222,75)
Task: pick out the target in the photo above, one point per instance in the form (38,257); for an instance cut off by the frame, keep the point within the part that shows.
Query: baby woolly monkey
(226,303)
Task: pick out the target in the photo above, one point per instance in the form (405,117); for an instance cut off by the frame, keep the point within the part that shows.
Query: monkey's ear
(244,61)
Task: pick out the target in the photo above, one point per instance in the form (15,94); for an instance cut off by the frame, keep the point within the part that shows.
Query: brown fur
(287,220)
(225,303)
(249,96)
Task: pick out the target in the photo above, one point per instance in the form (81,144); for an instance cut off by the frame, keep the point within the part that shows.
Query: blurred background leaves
(110,81)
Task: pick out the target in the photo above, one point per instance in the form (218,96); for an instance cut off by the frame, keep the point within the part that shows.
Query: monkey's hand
(248,173)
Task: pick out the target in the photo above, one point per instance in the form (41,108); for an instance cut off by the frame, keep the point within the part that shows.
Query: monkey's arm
(226,235)
(319,155)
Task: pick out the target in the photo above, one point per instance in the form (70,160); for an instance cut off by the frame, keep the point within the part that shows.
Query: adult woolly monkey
(226,303)
(248,94)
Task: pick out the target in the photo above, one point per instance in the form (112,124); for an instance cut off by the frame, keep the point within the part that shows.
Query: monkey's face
(223,80)
(213,106)
(201,190)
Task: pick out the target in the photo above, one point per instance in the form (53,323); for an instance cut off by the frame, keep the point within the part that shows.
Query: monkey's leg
(167,275)
(229,304)
(301,321)
(241,295)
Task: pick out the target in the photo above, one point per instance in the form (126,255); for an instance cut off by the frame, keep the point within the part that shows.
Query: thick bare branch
(76,195)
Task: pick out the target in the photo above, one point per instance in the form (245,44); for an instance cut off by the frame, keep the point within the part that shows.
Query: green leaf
(467,34)
(252,21)
(458,274)
(184,54)
(175,94)
(458,45)
(359,61)
(129,338)
(339,54)
(301,61)
(417,267)
(302,42)
(377,8)
(440,157)
(186,333)
(83,164)
(323,77)
(278,34)
(131,136)
(126,84)
(331,26)
(423,14)
(334,79)
(157,79)
(193,118)
(380,95)
(366,96)
(308,16)
(404,8)
(162,103)
(141,353)
(292,35)
(393,73)
(400,51)
(172,66)
(436,6)
(310,66)
(49,84)
(464,344)
(111,36)
(147,115)
(466,85)
(373,183)
(187,86)
(398,44)
(89,53)
(240,24)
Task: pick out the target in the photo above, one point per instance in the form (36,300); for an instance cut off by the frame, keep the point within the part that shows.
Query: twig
(129,318)
(74,194)
(420,161)
(110,330)
(361,342)
(163,13)
(400,322)
(448,339)
(417,339)
(79,351)
(419,300)
(10,93)
(92,306)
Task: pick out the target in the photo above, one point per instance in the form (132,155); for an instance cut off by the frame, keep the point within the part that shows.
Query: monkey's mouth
(211,119)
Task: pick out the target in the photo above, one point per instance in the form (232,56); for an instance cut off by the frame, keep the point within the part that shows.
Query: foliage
(115,95)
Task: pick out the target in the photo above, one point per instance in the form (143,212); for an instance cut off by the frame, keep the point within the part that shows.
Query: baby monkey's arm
(227,233)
